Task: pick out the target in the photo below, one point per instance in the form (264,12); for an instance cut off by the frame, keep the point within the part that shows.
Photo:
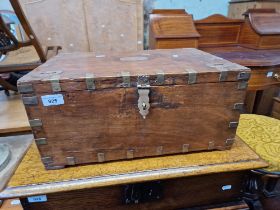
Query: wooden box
(164,32)
(85,107)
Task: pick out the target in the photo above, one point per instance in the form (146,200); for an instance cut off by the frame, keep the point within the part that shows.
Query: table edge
(118,179)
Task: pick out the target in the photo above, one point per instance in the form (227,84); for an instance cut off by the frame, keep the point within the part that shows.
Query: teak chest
(86,108)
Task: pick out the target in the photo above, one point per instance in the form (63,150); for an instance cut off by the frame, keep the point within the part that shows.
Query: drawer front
(263,78)
(166,194)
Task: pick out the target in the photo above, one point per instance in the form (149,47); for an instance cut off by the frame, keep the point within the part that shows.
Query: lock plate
(143,91)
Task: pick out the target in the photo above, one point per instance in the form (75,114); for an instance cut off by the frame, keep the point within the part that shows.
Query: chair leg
(251,191)
(6,85)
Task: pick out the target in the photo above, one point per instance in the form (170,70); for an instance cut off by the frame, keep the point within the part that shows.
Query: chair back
(9,42)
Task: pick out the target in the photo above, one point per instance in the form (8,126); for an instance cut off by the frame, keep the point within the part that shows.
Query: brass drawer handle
(277,77)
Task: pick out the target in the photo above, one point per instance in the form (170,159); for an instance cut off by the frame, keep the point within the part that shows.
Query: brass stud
(101,157)
(130,154)
(159,150)
(71,161)
(186,148)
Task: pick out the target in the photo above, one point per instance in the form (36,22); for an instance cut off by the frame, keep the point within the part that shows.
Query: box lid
(161,67)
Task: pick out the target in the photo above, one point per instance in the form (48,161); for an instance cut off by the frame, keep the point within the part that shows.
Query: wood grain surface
(31,178)
(109,66)
(13,116)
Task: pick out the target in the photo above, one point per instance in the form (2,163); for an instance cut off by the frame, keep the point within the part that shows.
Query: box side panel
(97,126)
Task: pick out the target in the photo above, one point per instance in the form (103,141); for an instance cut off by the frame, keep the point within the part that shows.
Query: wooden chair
(21,55)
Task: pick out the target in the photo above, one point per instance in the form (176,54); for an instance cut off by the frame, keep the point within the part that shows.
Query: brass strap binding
(35,123)
(233,125)
(32,100)
(90,81)
(223,75)
(71,161)
(185,148)
(100,157)
(229,142)
(160,78)
(47,160)
(211,145)
(41,141)
(126,79)
(55,83)
(130,154)
(25,88)
(244,76)
(242,85)
(238,106)
(192,76)
(159,150)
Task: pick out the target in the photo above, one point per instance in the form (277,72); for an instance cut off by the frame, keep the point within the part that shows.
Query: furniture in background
(100,25)
(238,7)
(198,179)
(21,55)
(13,120)
(276,108)
(165,31)
(262,134)
(242,41)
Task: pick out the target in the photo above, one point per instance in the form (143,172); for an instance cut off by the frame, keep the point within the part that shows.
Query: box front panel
(103,125)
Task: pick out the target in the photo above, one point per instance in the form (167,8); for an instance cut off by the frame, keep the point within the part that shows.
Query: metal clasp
(143,86)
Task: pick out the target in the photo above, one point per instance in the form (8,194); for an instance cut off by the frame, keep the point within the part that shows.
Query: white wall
(5,5)
(199,8)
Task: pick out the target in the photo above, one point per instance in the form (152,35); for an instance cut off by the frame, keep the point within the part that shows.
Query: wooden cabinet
(164,32)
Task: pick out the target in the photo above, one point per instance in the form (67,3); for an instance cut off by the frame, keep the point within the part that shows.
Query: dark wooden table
(264,65)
